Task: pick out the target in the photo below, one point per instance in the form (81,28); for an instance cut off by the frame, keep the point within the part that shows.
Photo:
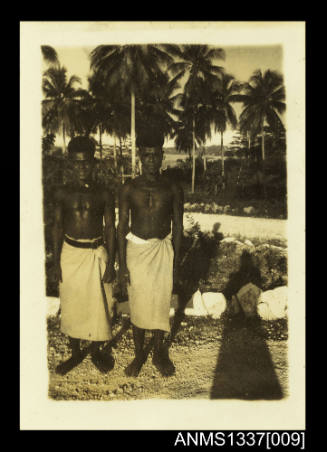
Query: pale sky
(240,61)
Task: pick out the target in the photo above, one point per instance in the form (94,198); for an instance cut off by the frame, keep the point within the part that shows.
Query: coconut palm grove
(183,90)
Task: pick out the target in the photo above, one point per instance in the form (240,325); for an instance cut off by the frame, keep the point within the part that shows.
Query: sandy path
(245,226)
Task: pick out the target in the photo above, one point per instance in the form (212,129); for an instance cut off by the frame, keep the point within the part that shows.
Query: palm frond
(101,53)
(177,67)
(274,120)
(173,49)
(49,54)
(216,53)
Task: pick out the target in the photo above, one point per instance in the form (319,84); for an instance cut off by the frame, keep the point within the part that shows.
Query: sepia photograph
(169,222)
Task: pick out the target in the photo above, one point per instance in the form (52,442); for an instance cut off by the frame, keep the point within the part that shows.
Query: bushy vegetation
(243,187)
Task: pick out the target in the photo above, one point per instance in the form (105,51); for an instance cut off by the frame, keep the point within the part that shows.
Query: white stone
(248,243)
(248,210)
(228,240)
(275,302)
(53,305)
(215,303)
(198,305)
(264,312)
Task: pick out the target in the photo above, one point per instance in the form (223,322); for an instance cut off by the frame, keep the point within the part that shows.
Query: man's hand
(176,280)
(57,274)
(124,279)
(109,274)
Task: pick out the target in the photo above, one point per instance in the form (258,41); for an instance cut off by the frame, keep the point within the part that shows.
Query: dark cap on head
(81,144)
(150,137)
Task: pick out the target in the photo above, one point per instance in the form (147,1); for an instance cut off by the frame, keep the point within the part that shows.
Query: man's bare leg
(133,369)
(160,357)
(77,357)
(102,359)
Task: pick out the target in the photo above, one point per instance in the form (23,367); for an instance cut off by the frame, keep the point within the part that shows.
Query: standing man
(149,254)
(84,254)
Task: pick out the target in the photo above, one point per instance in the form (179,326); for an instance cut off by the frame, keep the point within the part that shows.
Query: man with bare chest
(149,252)
(84,255)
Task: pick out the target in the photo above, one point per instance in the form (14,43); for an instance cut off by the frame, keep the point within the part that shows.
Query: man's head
(150,142)
(81,155)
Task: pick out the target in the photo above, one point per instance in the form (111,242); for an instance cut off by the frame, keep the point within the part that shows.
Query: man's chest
(152,198)
(83,203)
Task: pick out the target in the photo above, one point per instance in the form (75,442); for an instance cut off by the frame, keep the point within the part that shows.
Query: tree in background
(129,68)
(223,94)
(196,62)
(59,105)
(50,55)
(263,101)
(193,129)
(158,104)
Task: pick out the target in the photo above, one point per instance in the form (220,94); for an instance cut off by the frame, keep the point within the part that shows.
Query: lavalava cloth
(150,264)
(86,302)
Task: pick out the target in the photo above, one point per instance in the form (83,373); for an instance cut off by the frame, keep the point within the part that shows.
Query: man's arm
(122,231)
(177,229)
(58,233)
(109,235)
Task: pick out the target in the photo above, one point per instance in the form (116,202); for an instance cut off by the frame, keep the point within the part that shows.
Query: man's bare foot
(103,361)
(163,363)
(133,369)
(66,366)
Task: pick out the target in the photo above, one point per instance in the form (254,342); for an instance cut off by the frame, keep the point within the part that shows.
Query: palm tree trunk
(222,159)
(249,145)
(263,161)
(222,154)
(204,160)
(263,143)
(120,148)
(115,152)
(64,137)
(193,157)
(100,142)
(133,132)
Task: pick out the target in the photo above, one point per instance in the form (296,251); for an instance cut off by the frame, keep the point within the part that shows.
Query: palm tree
(129,68)
(196,62)
(224,93)
(263,101)
(192,130)
(50,55)
(158,104)
(60,100)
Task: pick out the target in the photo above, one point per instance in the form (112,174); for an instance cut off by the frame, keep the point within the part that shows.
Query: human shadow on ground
(244,368)
(197,251)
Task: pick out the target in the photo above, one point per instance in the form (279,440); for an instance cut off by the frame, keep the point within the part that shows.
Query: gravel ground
(203,354)
(245,226)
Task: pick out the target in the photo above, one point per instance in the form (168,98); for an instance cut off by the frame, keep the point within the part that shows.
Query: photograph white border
(37,411)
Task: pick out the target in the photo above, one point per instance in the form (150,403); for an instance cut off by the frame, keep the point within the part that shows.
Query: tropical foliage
(59,105)
(263,101)
(180,88)
(130,69)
